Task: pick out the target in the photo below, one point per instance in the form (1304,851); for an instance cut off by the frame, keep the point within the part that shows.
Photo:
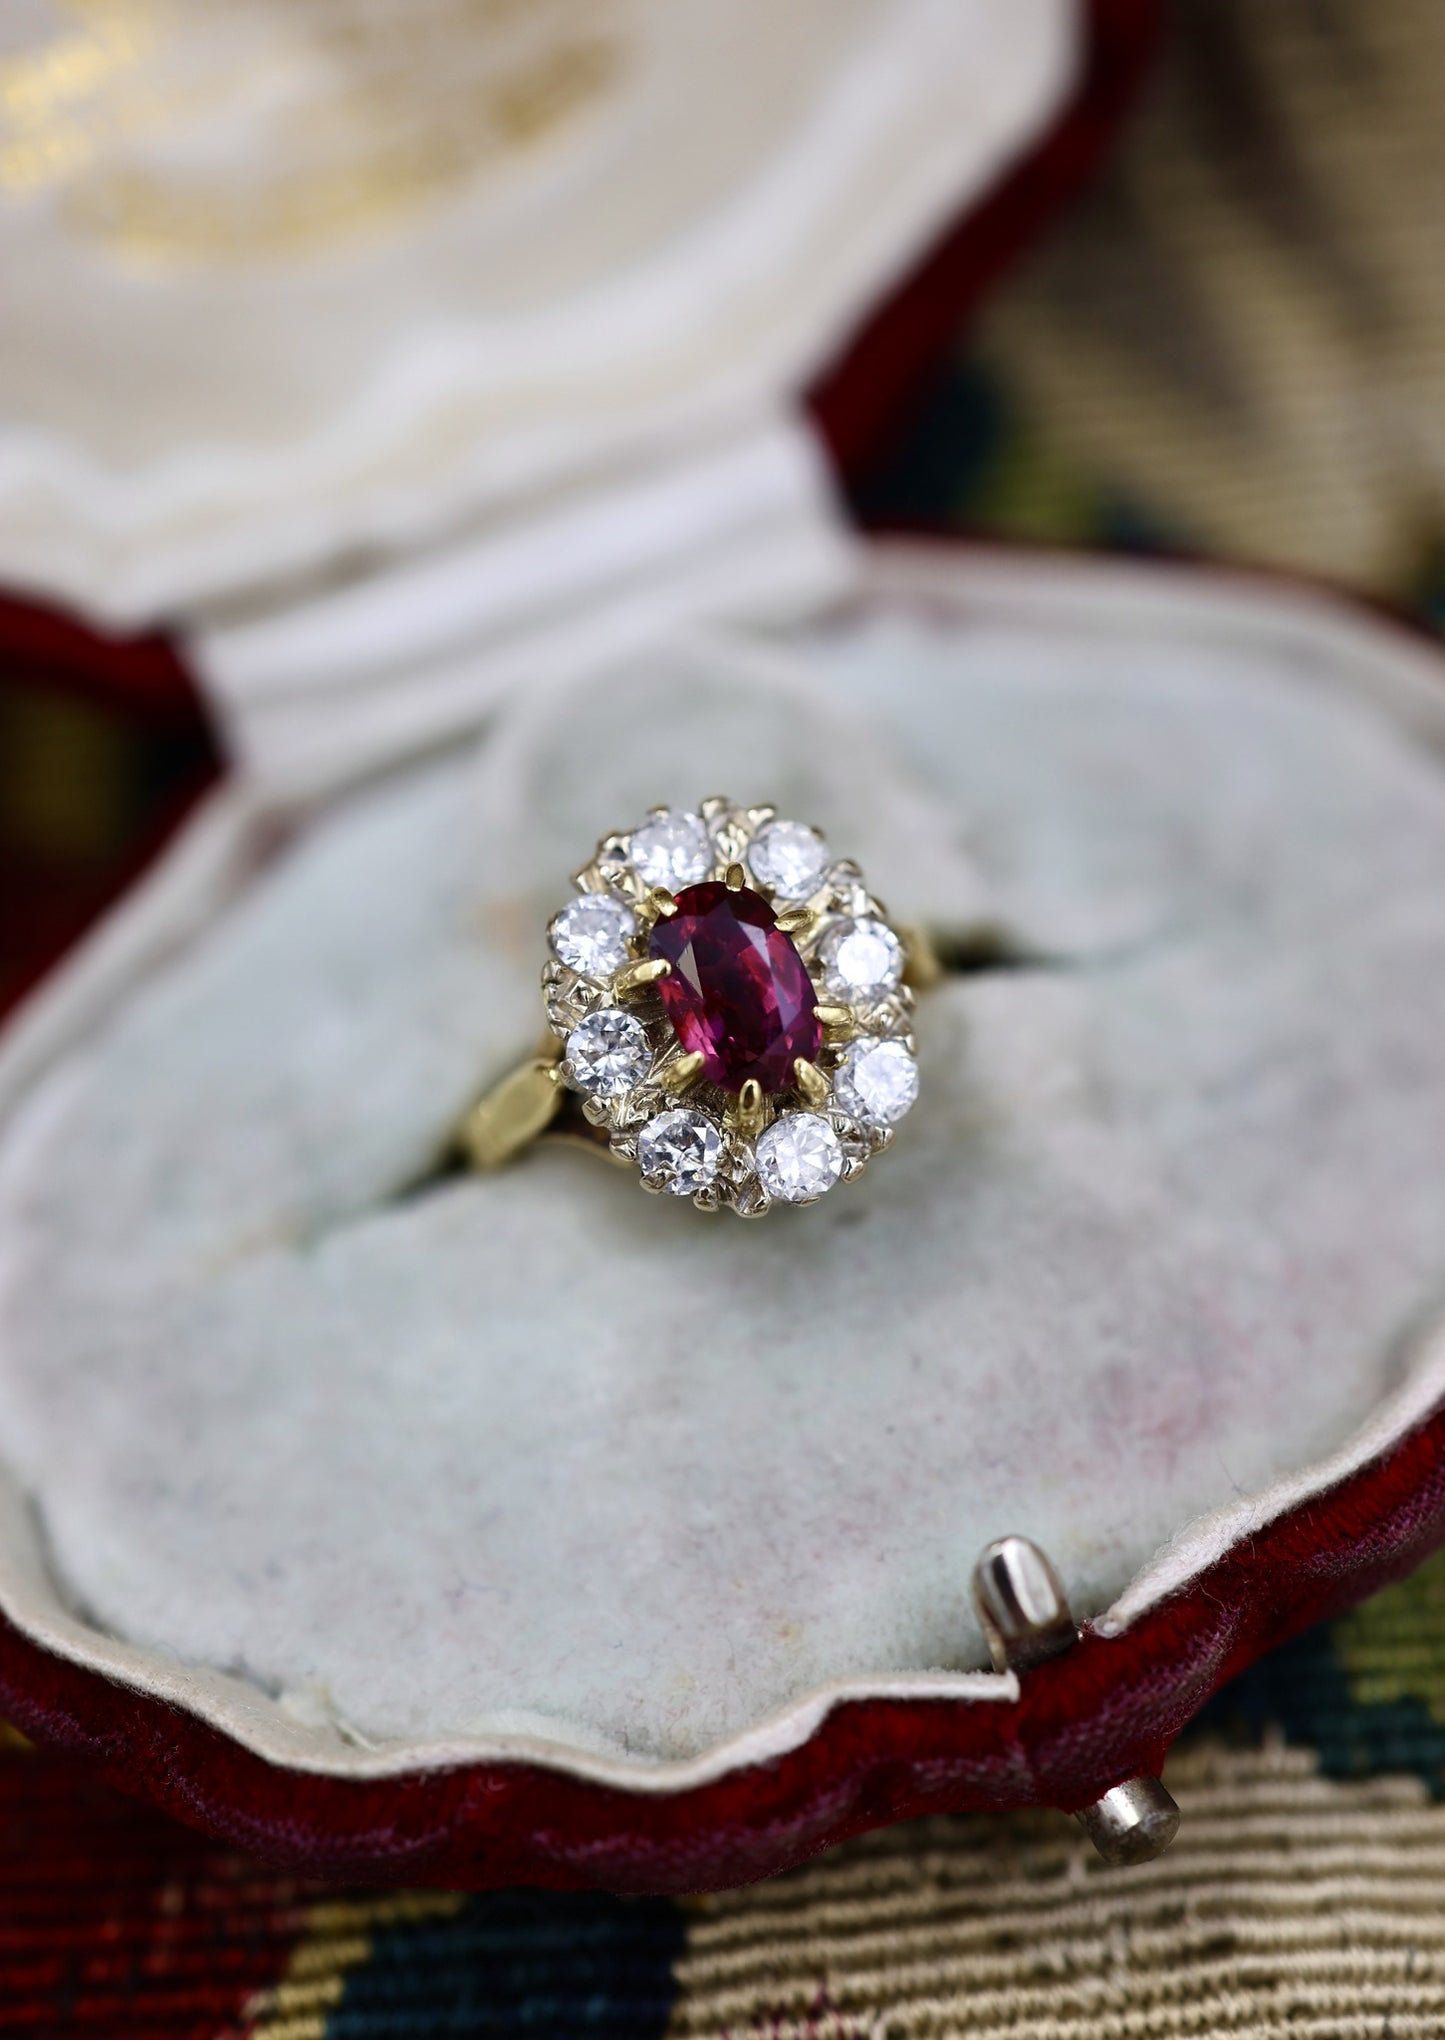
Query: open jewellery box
(523,1528)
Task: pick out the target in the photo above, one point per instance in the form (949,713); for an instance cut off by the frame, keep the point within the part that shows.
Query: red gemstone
(738,993)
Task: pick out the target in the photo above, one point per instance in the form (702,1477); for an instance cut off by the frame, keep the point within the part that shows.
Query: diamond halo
(731,1008)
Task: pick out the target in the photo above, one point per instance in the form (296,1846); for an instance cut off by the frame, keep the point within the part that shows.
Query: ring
(730,1012)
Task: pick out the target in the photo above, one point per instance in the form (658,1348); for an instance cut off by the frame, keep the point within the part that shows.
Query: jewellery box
(484,1529)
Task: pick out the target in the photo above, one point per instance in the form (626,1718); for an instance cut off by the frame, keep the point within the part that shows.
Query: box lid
(290,283)
(291,369)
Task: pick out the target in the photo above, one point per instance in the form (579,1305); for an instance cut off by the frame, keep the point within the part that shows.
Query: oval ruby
(738,993)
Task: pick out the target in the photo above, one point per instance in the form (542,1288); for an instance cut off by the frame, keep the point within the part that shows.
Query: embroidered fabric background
(1223,349)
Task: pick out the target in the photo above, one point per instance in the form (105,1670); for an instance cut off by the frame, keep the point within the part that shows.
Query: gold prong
(635,977)
(836,1019)
(737,878)
(657,905)
(748,1113)
(678,1076)
(800,922)
(811,1081)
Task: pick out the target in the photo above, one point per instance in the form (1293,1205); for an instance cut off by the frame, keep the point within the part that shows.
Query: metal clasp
(1026,1619)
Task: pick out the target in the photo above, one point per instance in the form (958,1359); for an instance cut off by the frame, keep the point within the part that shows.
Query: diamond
(799,1157)
(671,850)
(591,934)
(876,1082)
(862,959)
(609,1053)
(790,857)
(684,1147)
(738,993)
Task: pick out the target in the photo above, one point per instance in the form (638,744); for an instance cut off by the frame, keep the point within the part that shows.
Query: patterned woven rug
(1237,345)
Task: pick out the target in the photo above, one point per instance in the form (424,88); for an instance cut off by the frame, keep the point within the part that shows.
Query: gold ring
(730,1012)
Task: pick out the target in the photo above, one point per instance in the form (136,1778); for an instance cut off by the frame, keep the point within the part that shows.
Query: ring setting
(730,1011)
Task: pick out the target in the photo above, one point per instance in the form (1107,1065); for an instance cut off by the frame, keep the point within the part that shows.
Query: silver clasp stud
(1026,1619)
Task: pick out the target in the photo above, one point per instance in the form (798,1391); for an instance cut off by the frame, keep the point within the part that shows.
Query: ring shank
(514,1113)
